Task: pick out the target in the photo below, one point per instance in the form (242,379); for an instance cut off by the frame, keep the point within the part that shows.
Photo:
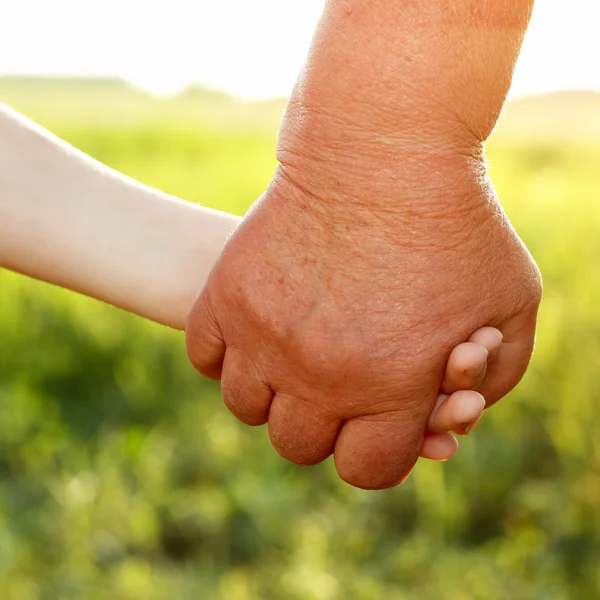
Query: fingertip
(439,446)
(466,428)
(466,367)
(469,406)
(489,337)
(457,411)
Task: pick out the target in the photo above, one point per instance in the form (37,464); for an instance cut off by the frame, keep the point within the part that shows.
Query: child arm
(71,221)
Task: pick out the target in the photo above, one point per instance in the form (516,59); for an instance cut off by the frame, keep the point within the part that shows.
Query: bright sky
(251,48)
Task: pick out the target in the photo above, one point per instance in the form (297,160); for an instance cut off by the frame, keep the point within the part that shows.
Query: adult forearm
(416,83)
(71,221)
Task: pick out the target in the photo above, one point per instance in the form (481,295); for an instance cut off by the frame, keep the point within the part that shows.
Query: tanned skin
(380,244)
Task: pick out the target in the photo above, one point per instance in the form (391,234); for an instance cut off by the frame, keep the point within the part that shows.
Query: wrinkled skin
(331,316)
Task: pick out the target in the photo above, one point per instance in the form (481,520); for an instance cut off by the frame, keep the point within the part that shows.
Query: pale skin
(71,221)
(380,244)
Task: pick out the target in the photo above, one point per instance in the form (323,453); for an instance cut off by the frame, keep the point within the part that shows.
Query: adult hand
(378,247)
(335,323)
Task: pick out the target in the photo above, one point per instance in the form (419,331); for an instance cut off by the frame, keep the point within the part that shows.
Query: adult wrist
(342,161)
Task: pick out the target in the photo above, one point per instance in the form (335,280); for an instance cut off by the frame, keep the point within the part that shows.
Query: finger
(457,411)
(439,446)
(245,390)
(300,431)
(512,359)
(491,338)
(466,368)
(205,344)
(379,451)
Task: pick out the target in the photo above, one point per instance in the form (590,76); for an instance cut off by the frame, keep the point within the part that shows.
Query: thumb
(512,359)
(204,340)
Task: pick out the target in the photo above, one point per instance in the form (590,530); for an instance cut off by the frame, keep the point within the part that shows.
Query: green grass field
(122,475)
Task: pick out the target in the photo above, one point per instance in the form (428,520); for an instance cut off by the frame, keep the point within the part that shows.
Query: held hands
(334,323)
(334,308)
(380,245)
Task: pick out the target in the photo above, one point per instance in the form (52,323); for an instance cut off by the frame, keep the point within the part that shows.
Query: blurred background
(123,476)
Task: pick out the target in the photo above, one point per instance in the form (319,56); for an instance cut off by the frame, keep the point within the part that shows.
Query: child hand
(459,407)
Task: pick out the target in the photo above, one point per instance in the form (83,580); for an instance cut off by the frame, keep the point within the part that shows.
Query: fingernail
(441,399)
(467,428)
(470,428)
(476,371)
